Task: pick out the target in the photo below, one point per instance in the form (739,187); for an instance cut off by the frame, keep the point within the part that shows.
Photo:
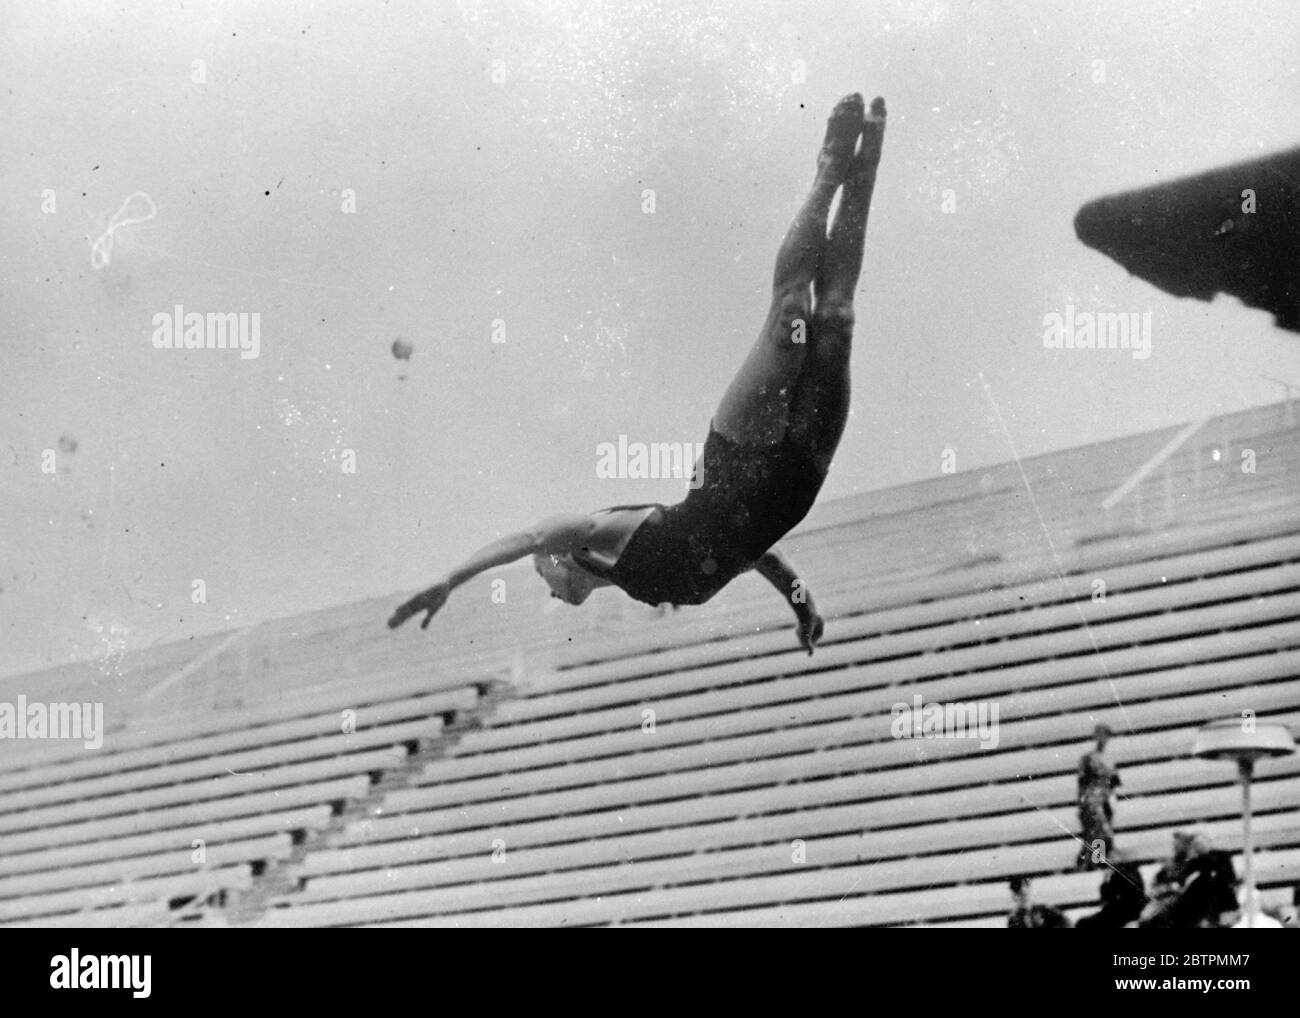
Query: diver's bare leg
(801,251)
(821,402)
(841,265)
(755,408)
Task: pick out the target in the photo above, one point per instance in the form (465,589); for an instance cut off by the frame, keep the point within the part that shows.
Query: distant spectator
(1123,896)
(1194,889)
(1168,880)
(1028,916)
(1097,780)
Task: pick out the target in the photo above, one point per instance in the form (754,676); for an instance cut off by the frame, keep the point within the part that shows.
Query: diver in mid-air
(771,439)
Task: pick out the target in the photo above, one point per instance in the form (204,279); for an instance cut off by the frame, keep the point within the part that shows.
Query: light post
(1230,740)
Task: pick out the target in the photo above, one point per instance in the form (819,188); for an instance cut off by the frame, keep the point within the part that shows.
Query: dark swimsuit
(751,496)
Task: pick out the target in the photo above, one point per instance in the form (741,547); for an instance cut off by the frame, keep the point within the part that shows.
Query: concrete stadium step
(1020,541)
(1065,506)
(588,735)
(484,883)
(995,864)
(802,724)
(833,717)
(275,752)
(608,788)
(1069,514)
(927,604)
(607,657)
(553,717)
(267,847)
(563,815)
(545,842)
(1131,591)
(132,802)
(152,743)
(146,914)
(192,814)
(749,603)
(1078,511)
(64,902)
(680,876)
(878,813)
(850,783)
(308,818)
(829,816)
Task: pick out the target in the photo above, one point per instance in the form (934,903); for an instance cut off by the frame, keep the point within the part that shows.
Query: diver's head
(568,581)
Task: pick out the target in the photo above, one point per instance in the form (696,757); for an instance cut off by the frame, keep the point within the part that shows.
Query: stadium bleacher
(522,765)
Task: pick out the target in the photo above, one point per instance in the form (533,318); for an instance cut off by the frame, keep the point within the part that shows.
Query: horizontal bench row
(976,874)
(56,859)
(691,643)
(881,772)
(821,716)
(23,897)
(18,911)
(1037,662)
(183,816)
(500,878)
(930,629)
(228,785)
(615,836)
(323,735)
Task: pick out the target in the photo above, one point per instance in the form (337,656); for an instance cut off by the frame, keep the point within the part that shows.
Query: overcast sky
(498,158)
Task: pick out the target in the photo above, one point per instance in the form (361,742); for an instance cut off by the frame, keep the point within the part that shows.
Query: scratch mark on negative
(1056,558)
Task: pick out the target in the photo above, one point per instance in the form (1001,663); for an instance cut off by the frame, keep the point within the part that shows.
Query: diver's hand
(810,629)
(430,601)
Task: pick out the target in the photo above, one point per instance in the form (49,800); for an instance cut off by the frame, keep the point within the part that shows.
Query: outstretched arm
(555,535)
(776,569)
